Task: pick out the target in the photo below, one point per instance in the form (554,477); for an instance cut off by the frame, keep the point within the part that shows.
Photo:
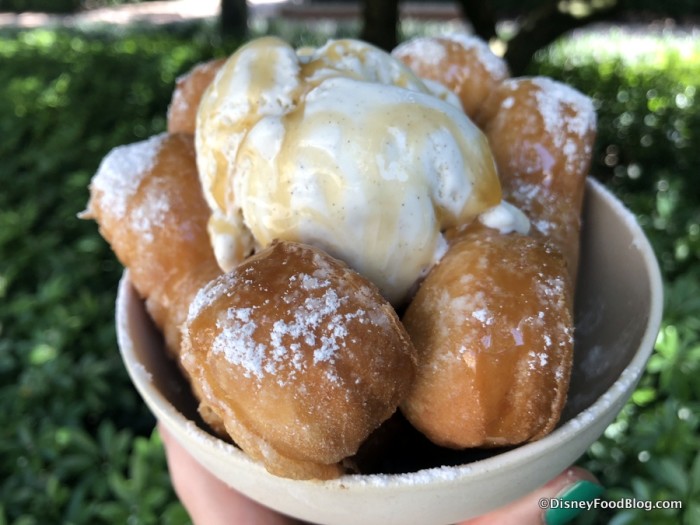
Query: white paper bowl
(618,312)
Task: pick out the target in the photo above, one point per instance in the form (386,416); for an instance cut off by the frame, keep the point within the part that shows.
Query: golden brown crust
(493,330)
(189,88)
(297,358)
(465,65)
(300,356)
(541,133)
(148,203)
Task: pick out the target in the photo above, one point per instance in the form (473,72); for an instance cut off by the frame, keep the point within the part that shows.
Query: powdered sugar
(545,227)
(537,360)
(151,213)
(432,52)
(507,103)
(567,115)
(558,123)
(122,171)
(524,192)
(179,103)
(307,318)
(239,346)
(552,97)
(310,329)
(429,50)
(442,474)
(309,282)
(483,316)
(494,64)
(551,289)
(142,371)
(207,295)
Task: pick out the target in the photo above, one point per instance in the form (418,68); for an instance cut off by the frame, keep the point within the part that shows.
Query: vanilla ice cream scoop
(341,147)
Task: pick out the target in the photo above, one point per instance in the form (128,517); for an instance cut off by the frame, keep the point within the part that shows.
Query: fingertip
(545,505)
(568,495)
(568,477)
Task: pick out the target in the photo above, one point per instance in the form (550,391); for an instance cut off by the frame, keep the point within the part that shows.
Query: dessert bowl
(618,312)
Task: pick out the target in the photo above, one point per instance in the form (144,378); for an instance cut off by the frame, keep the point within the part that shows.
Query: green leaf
(112,512)
(626,517)
(175,514)
(695,476)
(121,487)
(643,488)
(691,516)
(672,474)
(643,396)
(138,472)
(76,509)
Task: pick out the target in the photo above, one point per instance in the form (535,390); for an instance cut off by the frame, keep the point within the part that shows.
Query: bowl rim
(439,476)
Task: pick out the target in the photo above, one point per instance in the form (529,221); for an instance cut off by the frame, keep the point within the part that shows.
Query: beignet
(299,355)
(493,330)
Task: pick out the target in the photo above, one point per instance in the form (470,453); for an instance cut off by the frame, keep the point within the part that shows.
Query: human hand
(209,501)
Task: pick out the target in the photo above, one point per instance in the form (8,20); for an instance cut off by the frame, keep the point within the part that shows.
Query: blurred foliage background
(76,443)
(60,6)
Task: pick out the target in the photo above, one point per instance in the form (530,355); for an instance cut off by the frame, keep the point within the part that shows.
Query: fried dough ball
(300,357)
(148,203)
(541,133)
(464,64)
(493,330)
(182,111)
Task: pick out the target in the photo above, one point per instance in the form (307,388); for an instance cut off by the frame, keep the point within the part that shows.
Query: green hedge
(76,443)
(75,440)
(645,89)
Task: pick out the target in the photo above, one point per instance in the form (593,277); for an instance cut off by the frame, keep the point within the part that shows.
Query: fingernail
(571,502)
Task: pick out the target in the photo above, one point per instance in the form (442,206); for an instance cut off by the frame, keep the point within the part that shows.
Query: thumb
(574,484)
(207,499)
